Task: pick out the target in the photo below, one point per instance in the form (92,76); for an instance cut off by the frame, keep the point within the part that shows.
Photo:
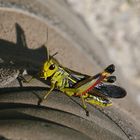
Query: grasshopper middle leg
(72,91)
(47,94)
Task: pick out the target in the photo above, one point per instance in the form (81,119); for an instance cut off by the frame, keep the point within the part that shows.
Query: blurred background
(116,25)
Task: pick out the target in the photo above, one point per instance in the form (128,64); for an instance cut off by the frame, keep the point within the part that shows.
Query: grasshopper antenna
(47,36)
(54,54)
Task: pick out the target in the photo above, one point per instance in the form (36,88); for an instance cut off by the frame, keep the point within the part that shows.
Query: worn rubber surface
(23,34)
(58,116)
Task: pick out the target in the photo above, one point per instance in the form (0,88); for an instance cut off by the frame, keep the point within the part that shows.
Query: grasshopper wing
(75,76)
(111,91)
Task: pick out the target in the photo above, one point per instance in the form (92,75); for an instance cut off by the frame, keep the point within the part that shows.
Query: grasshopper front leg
(51,89)
(47,94)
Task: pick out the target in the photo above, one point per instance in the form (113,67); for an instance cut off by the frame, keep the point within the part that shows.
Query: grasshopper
(91,89)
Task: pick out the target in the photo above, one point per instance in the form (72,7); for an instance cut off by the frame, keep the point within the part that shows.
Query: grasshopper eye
(52,67)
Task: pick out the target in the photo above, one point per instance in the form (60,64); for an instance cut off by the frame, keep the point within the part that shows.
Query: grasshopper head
(49,68)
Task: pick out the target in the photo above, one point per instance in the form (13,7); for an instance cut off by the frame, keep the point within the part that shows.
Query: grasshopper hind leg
(93,100)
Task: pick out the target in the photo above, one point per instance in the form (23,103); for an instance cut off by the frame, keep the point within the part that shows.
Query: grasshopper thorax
(49,68)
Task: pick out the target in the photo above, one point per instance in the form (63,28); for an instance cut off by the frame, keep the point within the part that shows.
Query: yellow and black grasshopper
(94,90)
